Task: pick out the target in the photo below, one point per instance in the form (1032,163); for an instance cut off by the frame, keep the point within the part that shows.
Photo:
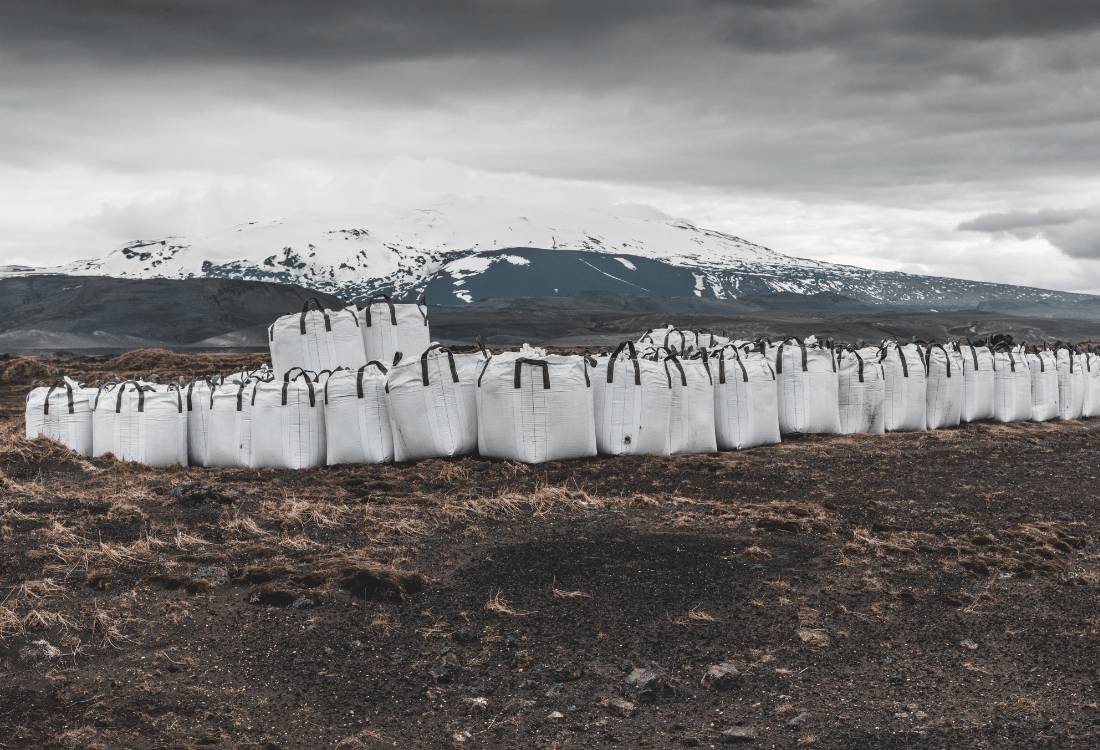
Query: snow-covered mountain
(463,249)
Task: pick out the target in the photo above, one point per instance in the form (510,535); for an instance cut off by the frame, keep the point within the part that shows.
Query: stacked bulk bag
(1091,405)
(357,420)
(316,340)
(669,337)
(807,388)
(946,389)
(229,438)
(977,382)
(1043,366)
(1071,382)
(388,328)
(433,404)
(861,391)
(906,399)
(691,404)
(535,410)
(287,422)
(632,397)
(1011,385)
(746,405)
(140,421)
(62,411)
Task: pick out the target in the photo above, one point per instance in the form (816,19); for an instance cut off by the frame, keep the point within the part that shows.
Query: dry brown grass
(498,605)
(560,594)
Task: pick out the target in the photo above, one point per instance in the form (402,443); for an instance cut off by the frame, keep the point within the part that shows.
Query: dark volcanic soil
(923,590)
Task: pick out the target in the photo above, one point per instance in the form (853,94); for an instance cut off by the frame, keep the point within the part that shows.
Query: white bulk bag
(433,404)
(1091,405)
(861,392)
(632,397)
(357,420)
(535,410)
(1011,386)
(142,422)
(807,389)
(746,405)
(946,387)
(62,411)
(669,337)
(316,340)
(229,437)
(906,386)
(1043,366)
(691,406)
(288,423)
(977,382)
(1071,382)
(196,398)
(388,328)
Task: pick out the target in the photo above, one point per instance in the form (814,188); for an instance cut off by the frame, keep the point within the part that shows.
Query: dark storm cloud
(1012,220)
(1074,231)
(350,30)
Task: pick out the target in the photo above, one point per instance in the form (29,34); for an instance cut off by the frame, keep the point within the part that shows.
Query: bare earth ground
(923,590)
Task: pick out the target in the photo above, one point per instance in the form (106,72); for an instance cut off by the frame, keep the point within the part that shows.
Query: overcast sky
(951,137)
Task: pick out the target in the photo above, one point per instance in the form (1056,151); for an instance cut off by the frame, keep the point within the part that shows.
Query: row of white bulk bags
(1011,385)
(316,340)
(1071,383)
(62,411)
(389,328)
(946,386)
(746,403)
(1043,366)
(197,396)
(906,400)
(140,421)
(357,418)
(433,404)
(691,426)
(807,388)
(861,392)
(977,382)
(287,422)
(631,399)
(535,410)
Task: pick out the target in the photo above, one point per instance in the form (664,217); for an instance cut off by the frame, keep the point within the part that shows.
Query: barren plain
(918,590)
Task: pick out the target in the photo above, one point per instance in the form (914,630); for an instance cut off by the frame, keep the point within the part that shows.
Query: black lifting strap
(706,365)
(901,356)
(359,378)
(393,310)
(141,396)
(424,362)
(856,357)
(422,305)
(68,388)
(722,364)
(946,356)
(1008,350)
(535,363)
(974,352)
(305,309)
(309,384)
(676,361)
(779,356)
(633,356)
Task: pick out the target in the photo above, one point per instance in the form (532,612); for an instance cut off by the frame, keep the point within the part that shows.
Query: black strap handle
(1008,350)
(722,364)
(68,388)
(855,355)
(633,356)
(393,310)
(945,355)
(359,378)
(141,389)
(301,371)
(779,356)
(422,305)
(534,363)
(305,309)
(424,362)
(676,361)
(286,387)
